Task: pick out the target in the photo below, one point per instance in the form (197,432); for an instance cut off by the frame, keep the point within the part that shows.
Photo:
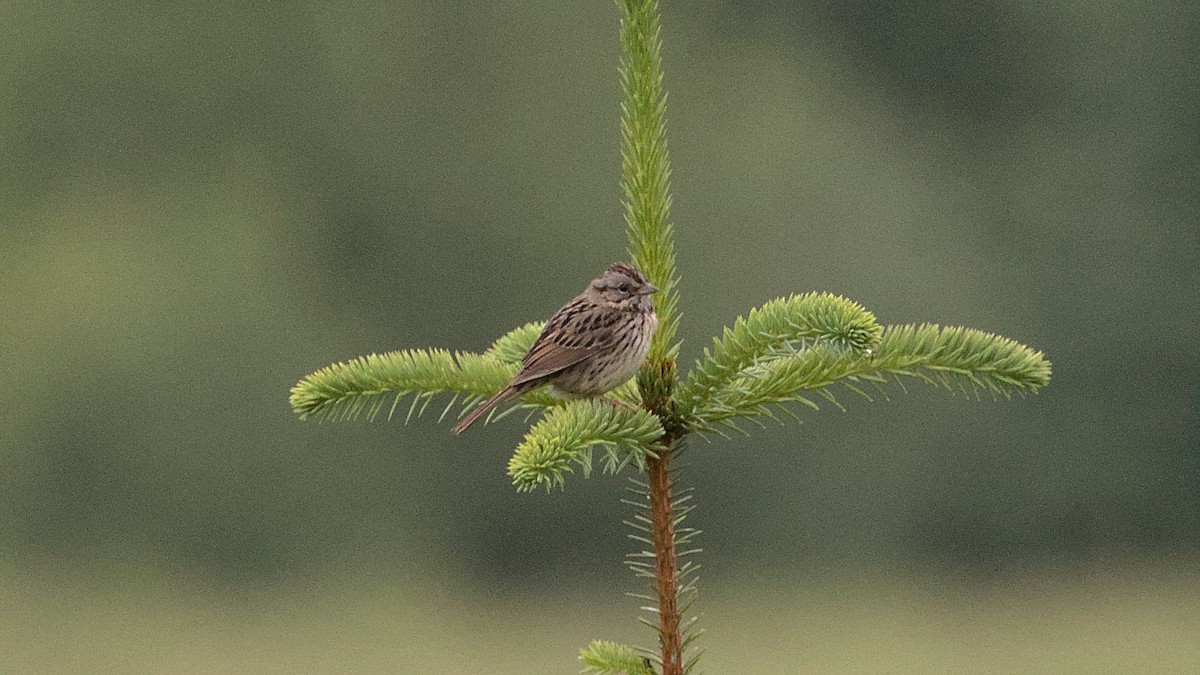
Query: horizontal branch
(609,658)
(983,360)
(569,433)
(971,359)
(779,329)
(366,384)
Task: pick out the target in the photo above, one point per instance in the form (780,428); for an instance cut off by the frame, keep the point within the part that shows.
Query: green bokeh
(202,202)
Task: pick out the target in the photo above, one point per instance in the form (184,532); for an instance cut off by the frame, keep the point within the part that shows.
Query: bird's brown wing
(574,333)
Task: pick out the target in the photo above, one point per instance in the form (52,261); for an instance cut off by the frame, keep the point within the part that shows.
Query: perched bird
(591,345)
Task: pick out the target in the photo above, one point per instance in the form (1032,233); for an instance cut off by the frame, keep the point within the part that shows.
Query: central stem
(665,572)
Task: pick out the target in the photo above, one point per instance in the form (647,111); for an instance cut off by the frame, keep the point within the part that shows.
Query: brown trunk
(663,535)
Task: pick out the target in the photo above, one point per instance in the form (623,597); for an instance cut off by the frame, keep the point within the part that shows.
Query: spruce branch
(365,384)
(645,166)
(954,357)
(645,181)
(346,390)
(568,434)
(779,329)
(657,522)
(971,358)
(610,658)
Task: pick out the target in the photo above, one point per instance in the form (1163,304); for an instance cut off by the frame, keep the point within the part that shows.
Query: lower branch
(665,571)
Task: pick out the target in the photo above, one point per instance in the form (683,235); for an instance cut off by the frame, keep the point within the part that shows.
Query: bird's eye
(624,287)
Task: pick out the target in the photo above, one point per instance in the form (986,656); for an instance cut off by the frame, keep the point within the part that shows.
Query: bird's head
(622,286)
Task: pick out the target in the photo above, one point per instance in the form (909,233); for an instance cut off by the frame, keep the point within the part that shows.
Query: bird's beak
(648,289)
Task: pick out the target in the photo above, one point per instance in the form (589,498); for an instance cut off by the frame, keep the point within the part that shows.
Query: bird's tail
(504,395)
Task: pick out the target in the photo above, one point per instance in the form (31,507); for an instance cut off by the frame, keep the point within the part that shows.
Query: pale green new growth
(610,658)
(973,359)
(365,384)
(346,390)
(978,360)
(645,167)
(778,329)
(567,435)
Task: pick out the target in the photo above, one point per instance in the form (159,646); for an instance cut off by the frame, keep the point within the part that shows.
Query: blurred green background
(203,202)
